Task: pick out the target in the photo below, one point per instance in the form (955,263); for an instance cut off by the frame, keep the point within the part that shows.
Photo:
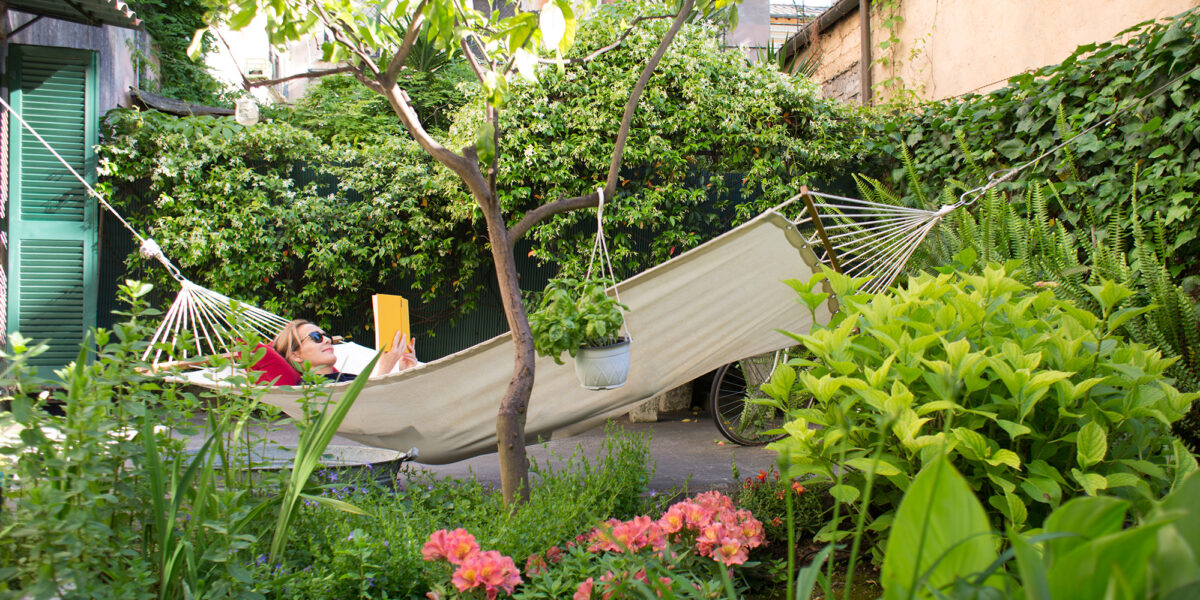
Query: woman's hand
(401,356)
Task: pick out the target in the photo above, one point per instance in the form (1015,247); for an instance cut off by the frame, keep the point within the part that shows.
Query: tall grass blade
(312,444)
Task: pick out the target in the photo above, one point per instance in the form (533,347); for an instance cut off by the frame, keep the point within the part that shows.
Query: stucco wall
(115,48)
(949,48)
(837,50)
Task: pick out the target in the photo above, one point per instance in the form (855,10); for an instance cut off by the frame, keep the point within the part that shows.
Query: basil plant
(575,313)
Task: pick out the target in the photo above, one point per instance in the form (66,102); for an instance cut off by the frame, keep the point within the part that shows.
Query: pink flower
(490,570)
(709,537)
(454,546)
(674,519)
(729,552)
(714,501)
(602,539)
(554,555)
(607,579)
(696,516)
(535,564)
(584,591)
(751,529)
(639,532)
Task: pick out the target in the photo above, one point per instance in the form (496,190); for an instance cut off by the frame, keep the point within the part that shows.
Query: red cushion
(274,368)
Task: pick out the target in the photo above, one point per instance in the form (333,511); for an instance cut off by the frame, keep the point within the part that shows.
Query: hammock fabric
(722,301)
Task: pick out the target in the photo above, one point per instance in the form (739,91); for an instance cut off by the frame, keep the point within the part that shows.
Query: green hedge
(1154,146)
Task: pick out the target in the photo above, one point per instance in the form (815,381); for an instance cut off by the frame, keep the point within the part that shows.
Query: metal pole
(864,23)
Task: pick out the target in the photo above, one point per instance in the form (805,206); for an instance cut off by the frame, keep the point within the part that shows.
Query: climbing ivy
(272,216)
(1156,138)
(706,113)
(171,24)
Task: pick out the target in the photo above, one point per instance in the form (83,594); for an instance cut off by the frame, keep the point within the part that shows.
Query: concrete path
(685,449)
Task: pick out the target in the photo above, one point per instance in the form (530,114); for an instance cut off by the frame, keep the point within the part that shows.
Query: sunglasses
(316,336)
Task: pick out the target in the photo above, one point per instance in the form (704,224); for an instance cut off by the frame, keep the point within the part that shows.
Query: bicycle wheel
(740,421)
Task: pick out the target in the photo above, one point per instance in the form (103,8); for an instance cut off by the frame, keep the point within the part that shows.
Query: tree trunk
(510,420)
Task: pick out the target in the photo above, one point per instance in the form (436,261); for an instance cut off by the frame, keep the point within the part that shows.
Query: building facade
(936,49)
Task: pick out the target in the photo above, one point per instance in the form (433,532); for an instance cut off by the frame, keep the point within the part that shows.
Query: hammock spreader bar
(866,239)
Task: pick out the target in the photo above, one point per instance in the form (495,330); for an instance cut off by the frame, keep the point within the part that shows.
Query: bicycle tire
(741,422)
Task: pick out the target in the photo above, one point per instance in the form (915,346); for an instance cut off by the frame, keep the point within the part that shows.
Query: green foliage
(171,24)
(342,555)
(273,217)
(103,500)
(1088,548)
(927,551)
(1154,145)
(1033,399)
(1006,227)
(575,313)
(340,110)
(316,429)
(310,215)
(706,112)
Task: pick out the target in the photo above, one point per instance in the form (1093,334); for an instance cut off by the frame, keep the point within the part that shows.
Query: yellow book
(391,315)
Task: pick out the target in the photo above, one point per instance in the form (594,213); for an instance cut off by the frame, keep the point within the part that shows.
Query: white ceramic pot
(603,368)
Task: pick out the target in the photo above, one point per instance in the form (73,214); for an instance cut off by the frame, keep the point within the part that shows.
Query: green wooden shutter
(52,221)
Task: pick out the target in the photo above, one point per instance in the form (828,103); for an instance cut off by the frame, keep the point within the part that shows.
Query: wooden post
(816,219)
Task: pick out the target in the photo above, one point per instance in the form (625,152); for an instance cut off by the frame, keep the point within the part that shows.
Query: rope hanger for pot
(600,248)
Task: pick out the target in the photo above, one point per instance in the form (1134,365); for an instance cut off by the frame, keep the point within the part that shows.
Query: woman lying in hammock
(302,342)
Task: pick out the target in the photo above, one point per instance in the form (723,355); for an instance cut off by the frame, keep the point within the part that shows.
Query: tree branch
(308,75)
(466,48)
(612,46)
(410,38)
(347,40)
(534,216)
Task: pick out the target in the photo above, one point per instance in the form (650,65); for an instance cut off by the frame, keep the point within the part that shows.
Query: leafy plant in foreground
(336,554)
(1035,400)
(942,546)
(103,500)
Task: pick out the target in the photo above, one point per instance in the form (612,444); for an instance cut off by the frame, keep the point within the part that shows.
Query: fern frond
(914,180)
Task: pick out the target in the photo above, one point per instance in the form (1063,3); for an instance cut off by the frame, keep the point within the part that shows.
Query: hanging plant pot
(603,368)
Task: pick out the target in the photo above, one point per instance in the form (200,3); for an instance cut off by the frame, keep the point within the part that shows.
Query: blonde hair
(288,340)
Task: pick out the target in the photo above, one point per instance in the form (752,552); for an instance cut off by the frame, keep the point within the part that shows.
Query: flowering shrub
(765,495)
(379,555)
(488,571)
(692,548)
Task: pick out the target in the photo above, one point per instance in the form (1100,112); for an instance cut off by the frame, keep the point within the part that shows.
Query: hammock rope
(207,316)
(860,238)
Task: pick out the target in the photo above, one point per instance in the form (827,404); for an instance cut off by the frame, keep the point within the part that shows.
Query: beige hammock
(717,303)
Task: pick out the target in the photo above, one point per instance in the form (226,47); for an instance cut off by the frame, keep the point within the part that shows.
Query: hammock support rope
(865,239)
(207,316)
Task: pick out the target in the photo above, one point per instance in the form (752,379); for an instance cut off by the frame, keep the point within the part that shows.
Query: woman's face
(319,353)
